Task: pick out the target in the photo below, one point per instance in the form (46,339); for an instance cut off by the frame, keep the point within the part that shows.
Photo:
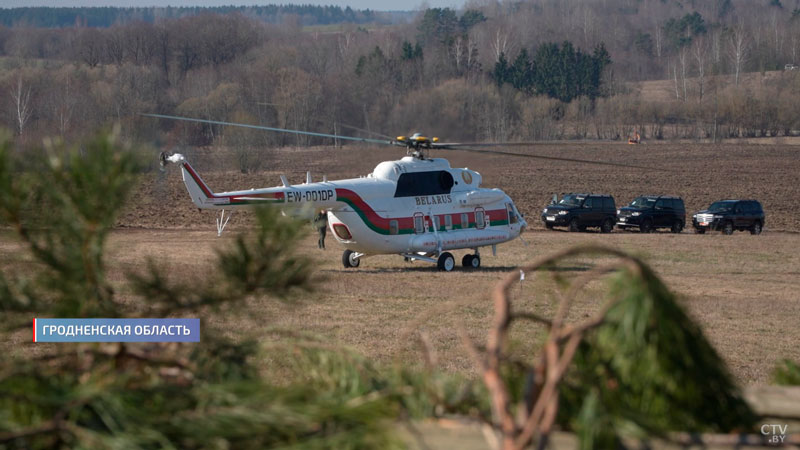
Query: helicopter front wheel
(446,262)
(350,259)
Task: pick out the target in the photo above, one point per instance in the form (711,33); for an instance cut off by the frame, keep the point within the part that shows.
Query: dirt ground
(743,289)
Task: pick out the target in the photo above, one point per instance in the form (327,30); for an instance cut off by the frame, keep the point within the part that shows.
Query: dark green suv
(651,212)
(578,211)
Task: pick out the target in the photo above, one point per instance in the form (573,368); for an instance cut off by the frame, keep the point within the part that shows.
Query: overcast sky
(382,5)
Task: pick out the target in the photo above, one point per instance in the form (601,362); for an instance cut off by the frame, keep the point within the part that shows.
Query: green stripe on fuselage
(379,230)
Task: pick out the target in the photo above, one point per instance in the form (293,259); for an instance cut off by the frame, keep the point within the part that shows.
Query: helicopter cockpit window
(512,216)
(424,183)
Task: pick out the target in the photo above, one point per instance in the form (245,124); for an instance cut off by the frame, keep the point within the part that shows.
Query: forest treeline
(542,69)
(107,16)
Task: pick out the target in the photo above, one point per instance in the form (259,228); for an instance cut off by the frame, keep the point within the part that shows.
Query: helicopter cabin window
(464,221)
(437,223)
(393,227)
(480,218)
(417,184)
(512,216)
(419,223)
(448,222)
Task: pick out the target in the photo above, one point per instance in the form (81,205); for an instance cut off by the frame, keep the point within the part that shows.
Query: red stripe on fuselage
(371,215)
(408,222)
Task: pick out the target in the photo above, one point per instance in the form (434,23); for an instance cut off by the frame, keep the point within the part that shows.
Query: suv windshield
(721,207)
(571,200)
(643,202)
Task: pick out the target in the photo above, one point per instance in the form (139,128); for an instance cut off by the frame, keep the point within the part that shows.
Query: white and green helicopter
(416,207)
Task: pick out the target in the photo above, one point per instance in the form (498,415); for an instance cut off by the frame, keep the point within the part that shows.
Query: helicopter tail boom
(296,200)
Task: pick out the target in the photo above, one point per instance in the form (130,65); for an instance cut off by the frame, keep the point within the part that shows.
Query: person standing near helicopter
(321,224)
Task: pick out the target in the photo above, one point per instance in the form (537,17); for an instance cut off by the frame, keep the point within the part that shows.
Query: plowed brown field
(700,173)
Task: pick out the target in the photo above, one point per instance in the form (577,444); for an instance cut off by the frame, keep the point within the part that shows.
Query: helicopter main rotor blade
(555,158)
(454,145)
(279,130)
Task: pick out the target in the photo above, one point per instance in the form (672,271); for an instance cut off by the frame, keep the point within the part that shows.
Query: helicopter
(417,207)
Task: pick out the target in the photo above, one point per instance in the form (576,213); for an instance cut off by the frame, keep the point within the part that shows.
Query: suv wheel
(756,229)
(574,226)
(646,226)
(728,228)
(607,226)
(700,230)
(677,226)
(549,226)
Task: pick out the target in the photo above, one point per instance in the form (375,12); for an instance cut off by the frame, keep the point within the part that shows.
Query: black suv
(729,215)
(578,211)
(651,212)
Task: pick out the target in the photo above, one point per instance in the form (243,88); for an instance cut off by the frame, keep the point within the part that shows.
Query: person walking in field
(321,224)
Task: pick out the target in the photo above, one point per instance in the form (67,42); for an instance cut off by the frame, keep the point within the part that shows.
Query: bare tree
(90,46)
(23,109)
(500,43)
(700,54)
(682,60)
(115,45)
(674,67)
(587,25)
(738,49)
(659,39)
(472,52)
(64,106)
(459,50)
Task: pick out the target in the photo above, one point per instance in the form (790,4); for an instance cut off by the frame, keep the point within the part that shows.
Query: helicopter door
(419,223)
(480,218)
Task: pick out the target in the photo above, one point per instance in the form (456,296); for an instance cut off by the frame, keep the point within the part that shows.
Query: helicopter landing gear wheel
(350,259)
(471,261)
(446,262)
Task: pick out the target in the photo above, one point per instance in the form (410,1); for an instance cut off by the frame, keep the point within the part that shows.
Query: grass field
(742,289)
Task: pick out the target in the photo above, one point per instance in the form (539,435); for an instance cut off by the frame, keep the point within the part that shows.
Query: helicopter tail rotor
(162,160)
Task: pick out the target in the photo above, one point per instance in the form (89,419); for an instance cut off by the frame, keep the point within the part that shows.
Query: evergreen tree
(470,18)
(130,395)
(521,73)
(438,25)
(501,72)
